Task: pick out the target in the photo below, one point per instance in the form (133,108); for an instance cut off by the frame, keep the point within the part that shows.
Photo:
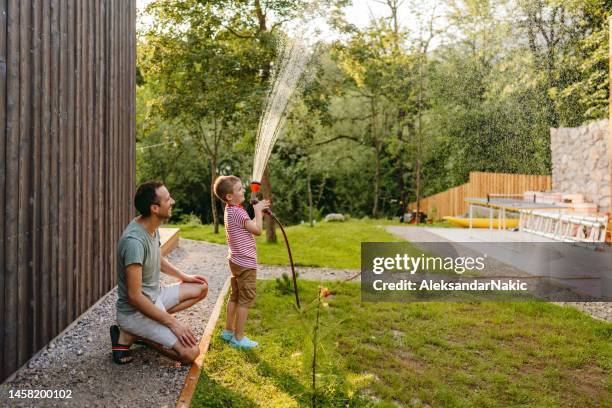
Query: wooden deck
(169,239)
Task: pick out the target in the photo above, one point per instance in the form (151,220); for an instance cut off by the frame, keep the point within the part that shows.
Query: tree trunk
(310,201)
(419,141)
(376,185)
(321,190)
(377,154)
(399,159)
(267,193)
(213,202)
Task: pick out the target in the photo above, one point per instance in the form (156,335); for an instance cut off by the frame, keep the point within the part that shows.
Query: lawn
(479,354)
(327,244)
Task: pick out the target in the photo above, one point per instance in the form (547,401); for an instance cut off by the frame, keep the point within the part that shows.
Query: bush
(190,219)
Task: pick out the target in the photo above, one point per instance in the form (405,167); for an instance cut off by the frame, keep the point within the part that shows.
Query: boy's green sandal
(244,343)
(121,352)
(226,335)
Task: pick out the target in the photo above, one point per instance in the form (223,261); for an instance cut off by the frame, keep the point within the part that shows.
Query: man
(144,310)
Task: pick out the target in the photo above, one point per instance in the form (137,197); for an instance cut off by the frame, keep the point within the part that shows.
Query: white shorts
(145,327)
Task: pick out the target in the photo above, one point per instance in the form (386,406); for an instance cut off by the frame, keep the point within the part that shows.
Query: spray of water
(291,63)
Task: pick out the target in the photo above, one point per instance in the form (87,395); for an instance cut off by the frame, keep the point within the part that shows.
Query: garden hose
(297,298)
(254,189)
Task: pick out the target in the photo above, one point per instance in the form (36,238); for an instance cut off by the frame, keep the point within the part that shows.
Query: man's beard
(166,216)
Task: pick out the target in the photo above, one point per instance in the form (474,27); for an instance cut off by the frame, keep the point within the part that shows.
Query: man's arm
(171,270)
(136,298)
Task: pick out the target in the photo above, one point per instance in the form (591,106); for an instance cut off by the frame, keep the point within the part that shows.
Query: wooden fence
(67,162)
(452,202)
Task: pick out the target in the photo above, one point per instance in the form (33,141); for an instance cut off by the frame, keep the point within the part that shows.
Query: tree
(205,80)
(590,91)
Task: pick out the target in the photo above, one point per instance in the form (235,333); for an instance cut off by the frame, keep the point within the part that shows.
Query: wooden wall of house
(67,162)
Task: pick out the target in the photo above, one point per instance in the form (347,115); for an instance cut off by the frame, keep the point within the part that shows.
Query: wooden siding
(67,162)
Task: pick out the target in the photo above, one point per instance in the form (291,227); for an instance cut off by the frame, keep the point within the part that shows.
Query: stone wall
(580,162)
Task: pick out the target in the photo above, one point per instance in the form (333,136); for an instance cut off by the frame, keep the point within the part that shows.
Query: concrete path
(600,310)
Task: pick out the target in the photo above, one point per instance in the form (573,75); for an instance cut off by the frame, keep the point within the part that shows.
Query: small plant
(284,285)
(322,294)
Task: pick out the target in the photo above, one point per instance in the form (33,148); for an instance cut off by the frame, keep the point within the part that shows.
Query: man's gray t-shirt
(137,246)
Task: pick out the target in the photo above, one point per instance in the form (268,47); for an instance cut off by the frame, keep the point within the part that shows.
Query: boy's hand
(261,205)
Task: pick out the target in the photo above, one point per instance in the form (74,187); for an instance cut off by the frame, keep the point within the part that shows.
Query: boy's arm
(255,226)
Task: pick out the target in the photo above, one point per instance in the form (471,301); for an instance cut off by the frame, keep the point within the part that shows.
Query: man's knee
(203,291)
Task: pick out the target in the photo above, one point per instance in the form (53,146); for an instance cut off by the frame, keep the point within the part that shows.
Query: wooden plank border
(196,368)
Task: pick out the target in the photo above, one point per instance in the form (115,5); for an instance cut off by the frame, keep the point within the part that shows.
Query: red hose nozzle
(255,186)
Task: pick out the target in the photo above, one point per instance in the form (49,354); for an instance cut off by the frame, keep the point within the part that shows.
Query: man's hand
(261,205)
(183,333)
(193,278)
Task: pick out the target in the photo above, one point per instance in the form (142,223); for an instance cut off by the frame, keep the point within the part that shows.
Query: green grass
(327,244)
(480,354)
(201,233)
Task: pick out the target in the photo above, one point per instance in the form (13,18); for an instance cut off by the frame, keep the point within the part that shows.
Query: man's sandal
(121,352)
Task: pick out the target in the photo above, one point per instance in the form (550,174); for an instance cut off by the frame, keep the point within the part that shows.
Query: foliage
(393,111)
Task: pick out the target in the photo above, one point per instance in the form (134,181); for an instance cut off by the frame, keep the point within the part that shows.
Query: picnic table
(503,204)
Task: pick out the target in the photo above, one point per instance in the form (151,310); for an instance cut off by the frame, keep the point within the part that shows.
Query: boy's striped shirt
(242,249)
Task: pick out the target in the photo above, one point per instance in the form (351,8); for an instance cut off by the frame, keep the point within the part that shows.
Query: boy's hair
(146,196)
(224,185)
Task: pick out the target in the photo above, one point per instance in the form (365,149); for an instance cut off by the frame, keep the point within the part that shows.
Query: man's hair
(224,185)
(146,196)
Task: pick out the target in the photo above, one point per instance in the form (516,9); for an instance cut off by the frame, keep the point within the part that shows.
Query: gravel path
(324,274)
(598,310)
(80,360)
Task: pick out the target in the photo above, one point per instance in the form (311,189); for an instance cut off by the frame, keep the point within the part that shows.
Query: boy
(242,256)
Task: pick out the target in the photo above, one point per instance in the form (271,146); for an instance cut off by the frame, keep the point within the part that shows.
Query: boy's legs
(241,317)
(244,286)
(230,318)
